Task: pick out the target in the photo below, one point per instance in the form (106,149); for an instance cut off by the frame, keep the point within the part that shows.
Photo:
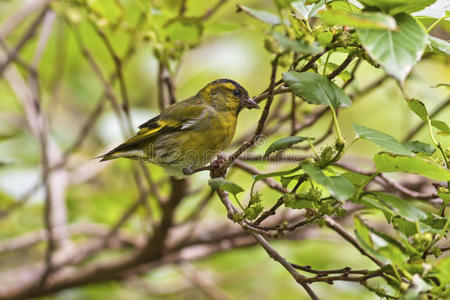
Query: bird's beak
(249,103)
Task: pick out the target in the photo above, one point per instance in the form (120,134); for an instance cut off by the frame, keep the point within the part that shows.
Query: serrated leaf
(384,140)
(220,183)
(419,147)
(441,126)
(439,45)
(418,108)
(374,20)
(397,51)
(386,162)
(264,16)
(338,186)
(394,7)
(284,143)
(316,89)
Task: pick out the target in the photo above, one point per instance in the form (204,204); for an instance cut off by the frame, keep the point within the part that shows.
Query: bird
(188,135)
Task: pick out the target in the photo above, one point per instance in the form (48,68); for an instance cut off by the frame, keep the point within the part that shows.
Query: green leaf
(418,108)
(285,180)
(394,7)
(401,207)
(436,222)
(220,183)
(445,196)
(284,143)
(344,5)
(397,51)
(374,20)
(316,89)
(304,11)
(338,186)
(260,15)
(372,202)
(439,45)
(442,271)
(386,162)
(379,244)
(296,46)
(441,126)
(345,75)
(355,178)
(419,147)
(384,140)
(363,236)
(408,228)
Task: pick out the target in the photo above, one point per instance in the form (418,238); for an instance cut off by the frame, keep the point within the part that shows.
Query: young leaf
(384,140)
(397,51)
(418,108)
(220,183)
(374,20)
(338,186)
(386,162)
(398,6)
(441,126)
(284,143)
(316,89)
(260,15)
(419,147)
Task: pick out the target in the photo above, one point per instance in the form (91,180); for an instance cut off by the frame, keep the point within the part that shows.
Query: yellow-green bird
(188,134)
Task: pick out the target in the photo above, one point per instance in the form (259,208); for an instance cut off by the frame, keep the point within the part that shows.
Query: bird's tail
(123,150)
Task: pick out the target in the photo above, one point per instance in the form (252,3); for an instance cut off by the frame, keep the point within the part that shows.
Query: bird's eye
(236,92)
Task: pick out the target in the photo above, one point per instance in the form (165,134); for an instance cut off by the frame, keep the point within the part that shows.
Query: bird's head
(226,94)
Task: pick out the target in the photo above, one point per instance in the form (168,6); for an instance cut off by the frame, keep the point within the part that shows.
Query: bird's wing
(176,118)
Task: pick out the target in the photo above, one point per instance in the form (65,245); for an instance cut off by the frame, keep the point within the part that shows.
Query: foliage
(319,52)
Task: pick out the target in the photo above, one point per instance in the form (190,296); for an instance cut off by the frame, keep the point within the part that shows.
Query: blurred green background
(232,46)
